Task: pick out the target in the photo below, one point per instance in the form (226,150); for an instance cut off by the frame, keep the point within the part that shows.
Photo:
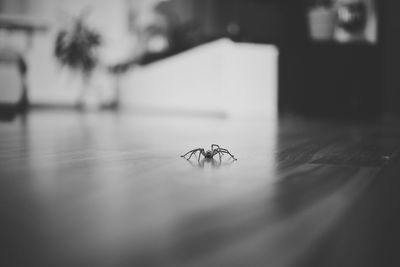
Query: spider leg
(223,150)
(213,145)
(220,156)
(201,153)
(189,152)
(216,151)
(192,152)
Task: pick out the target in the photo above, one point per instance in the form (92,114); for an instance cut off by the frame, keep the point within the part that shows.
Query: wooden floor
(109,189)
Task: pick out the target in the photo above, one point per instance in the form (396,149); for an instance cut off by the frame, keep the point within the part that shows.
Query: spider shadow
(211,162)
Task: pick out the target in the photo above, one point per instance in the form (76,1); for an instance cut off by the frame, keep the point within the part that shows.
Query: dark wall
(391,56)
(356,80)
(252,20)
(329,79)
(243,20)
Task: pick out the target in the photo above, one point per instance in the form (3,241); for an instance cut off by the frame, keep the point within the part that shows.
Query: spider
(209,154)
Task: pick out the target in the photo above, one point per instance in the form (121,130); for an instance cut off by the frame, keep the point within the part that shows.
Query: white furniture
(233,79)
(221,77)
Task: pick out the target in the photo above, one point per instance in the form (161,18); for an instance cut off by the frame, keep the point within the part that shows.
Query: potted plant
(76,48)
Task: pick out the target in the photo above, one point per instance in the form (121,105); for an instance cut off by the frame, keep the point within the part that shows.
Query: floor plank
(109,189)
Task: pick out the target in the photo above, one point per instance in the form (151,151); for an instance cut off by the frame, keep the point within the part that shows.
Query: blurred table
(109,189)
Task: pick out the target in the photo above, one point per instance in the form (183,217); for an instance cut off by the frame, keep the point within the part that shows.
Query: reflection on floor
(109,189)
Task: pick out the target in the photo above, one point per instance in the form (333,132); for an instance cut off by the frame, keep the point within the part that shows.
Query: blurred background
(314,57)
(99,98)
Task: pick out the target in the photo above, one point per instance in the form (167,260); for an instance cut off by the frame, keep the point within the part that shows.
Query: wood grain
(109,189)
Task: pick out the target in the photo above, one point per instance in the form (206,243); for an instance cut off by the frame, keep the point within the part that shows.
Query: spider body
(209,154)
